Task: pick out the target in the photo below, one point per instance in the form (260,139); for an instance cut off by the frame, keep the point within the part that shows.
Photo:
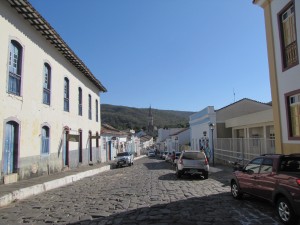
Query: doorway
(10,157)
(66,149)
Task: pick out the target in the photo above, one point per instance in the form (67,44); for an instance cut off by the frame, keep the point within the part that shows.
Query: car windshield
(193,155)
(123,154)
(290,164)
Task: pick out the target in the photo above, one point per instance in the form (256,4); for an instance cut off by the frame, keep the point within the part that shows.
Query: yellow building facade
(282,29)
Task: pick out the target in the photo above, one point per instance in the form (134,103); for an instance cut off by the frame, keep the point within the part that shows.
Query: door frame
(16,150)
(65,156)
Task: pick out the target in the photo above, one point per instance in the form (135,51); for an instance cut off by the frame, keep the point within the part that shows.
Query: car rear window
(290,164)
(123,154)
(193,155)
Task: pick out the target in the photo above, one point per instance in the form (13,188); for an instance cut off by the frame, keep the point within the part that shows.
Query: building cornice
(262,3)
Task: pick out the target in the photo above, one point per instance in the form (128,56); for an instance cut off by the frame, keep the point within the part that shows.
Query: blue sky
(170,54)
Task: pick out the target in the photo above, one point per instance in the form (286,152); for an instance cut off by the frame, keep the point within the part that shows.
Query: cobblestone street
(146,193)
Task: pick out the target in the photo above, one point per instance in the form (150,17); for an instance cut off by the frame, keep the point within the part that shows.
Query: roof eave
(30,14)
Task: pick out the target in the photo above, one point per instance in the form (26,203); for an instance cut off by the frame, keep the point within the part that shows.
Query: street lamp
(211,127)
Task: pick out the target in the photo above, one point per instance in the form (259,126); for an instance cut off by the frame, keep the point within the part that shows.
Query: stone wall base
(11,178)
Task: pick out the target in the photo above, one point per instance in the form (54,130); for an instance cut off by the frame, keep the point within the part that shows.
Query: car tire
(178,173)
(205,175)
(235,190)
(285,211)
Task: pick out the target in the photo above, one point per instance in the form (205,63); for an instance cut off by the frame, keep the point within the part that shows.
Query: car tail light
(206,162)
(298,181)
(180,161)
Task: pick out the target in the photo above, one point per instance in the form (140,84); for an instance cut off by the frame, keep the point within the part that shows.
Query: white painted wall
(199,123)
(28,108)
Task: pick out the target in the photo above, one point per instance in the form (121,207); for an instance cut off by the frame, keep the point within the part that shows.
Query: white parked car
(124,158)
(151,153)
(192,162)
(164,154)
(177,155)
(168,157)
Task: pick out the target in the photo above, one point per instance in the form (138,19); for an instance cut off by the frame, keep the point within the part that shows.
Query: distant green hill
(122,117)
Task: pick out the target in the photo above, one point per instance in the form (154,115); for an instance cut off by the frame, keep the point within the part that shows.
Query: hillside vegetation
(122,117)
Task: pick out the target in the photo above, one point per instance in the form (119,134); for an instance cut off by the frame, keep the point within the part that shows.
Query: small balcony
(291,54)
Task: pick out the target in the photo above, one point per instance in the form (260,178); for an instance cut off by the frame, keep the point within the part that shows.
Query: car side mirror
(250,172)
(240,168)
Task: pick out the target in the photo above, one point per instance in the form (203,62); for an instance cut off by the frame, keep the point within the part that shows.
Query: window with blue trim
(45,140)
(79,101)
(90,107)
(66,95)
(97,113)
(15,65)
(47,84)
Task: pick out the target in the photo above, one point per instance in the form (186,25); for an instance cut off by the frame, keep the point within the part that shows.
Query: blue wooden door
(10,144)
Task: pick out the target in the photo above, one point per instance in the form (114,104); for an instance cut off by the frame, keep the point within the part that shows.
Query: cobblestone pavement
(146,193)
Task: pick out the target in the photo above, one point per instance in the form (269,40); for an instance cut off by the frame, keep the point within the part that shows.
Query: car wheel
(178,173)
(285,211)
(205,175)
(235,190)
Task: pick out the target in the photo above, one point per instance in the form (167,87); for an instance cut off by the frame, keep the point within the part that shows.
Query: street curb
(49,185)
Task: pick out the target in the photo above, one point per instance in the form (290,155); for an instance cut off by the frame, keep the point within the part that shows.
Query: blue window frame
(47,84)
(15,65)
(79,101)
(90,107)
(97,113)
(66,95)
(45,140)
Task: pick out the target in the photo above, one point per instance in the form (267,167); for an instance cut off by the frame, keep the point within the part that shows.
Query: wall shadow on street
(185,177)
(223,176)
(212,209)
(158,165)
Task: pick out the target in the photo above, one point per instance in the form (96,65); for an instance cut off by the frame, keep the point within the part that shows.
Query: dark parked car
(275,178)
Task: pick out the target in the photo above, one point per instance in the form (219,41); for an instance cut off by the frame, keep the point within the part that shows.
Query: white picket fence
(241,149)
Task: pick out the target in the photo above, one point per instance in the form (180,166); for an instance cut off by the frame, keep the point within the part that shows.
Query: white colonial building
(242,129)
(49,99)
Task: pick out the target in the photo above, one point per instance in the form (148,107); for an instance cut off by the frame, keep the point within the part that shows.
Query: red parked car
(275,178)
